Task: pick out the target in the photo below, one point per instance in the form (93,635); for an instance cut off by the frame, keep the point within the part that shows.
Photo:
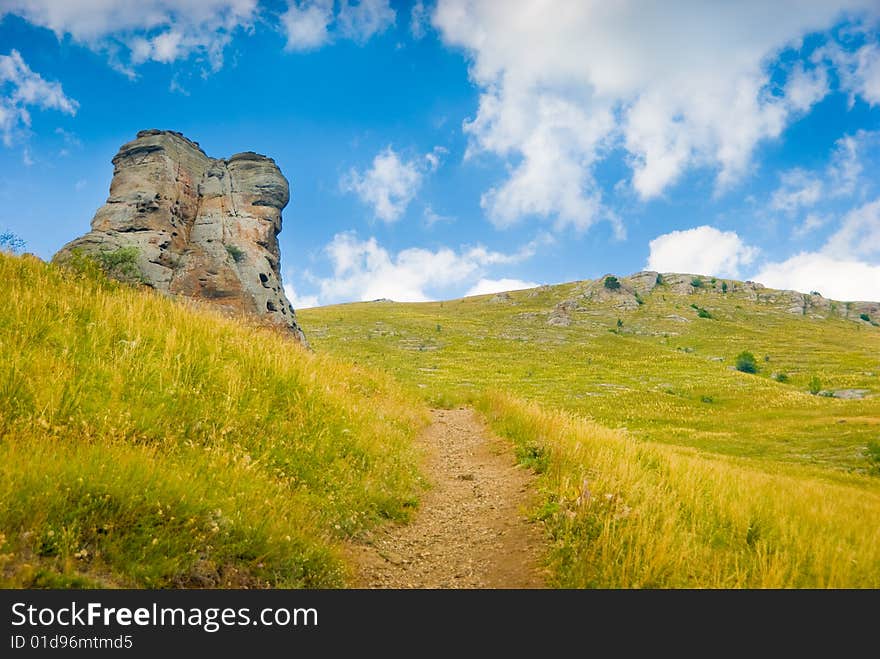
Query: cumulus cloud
(306,24)
(365,270)
(702,250)
(837,278)
(486,286)
(676,85)
(310,24)
(391,182)
(147,30)
(365,19)
(21,89)
(844,268)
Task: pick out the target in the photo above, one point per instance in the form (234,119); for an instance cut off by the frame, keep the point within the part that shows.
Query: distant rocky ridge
(627,293)
(199,227)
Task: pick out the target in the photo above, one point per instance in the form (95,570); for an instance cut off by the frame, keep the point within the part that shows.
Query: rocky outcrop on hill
(629,293)
(186,224)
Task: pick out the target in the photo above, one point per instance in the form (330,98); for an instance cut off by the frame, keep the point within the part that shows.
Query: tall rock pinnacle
(200,227)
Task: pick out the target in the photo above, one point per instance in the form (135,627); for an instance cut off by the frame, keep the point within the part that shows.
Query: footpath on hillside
(471,529)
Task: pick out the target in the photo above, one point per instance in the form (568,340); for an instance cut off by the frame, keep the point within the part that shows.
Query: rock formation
(199,227)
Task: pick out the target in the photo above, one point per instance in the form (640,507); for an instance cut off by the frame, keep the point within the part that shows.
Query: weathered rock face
(202,227)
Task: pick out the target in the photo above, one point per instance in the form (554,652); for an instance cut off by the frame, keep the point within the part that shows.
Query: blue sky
(437,149)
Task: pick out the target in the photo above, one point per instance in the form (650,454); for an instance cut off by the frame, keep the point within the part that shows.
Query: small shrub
(121,264)
(701,313)
(707,399)
(746,362)
(612,283)
(816,293)
(659,280)
(865,317)
(696,282)
(815,385)
(724,287)
(236,253)
(619,323)
(781,377)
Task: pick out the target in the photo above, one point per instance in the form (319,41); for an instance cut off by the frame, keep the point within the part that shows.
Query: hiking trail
(471,529)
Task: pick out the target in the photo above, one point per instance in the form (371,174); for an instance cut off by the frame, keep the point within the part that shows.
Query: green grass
(146,442)
(649,376)
(661,464)
(627,514)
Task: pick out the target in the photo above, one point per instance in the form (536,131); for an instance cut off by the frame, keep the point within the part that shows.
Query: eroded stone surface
(204,228)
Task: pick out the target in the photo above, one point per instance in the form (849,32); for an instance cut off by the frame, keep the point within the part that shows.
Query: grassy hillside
(146,442)
(665,375)
(661,464)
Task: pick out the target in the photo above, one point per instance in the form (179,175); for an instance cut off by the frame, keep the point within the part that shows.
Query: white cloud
(841,269)
(798,189)
(848,162)
(677,85)
(703,250)
(306,24)
(812,222)
(836,278)
(432,217)
(364,270)
(805,88)
(310,24)
(846,166)
(21,89)
(486,286)
(859,233)
(297,301)
(365,19)
(859,70)
(418,19)
(157,30)
(391,182)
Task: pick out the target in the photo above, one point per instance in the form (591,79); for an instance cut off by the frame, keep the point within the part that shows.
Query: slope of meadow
(661,464)
(149,442)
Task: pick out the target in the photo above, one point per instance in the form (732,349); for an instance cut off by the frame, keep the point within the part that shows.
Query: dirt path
(470,530)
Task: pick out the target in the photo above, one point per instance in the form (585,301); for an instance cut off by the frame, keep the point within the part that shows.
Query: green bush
(612,283)
(696,282)
(815,385)
(121,264)
(746,362)
(724,287)
(781,377)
